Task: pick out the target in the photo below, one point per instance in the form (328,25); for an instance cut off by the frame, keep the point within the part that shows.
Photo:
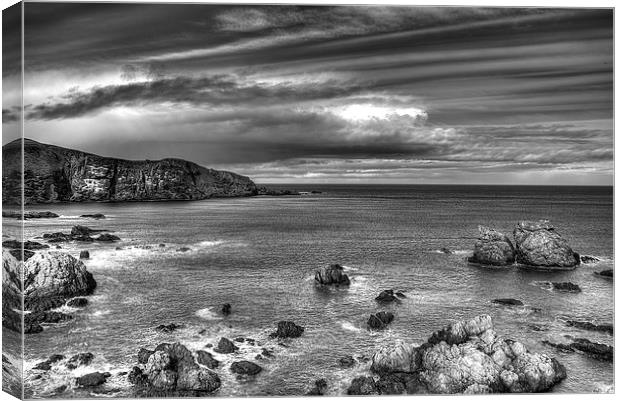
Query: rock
(225,346)
(288,330)
(394,358)
(508,301)
(380,320)
(82,231)
(603,328)
(320,388)
(77,302)
(84,255)
(17,214)
(587,259)
(29,245)
(93,216)
(594,350)
(245,368)
(492,248)
(606,273)
(226,309)
(399,294)
(266,352)
(172,370)
(459,332)
(346,361)
(539,245)
(57,237)
(363,385)
(107,238)
(387,296)
(168,328)
(47,364)
(566,287)
(446,251)
(17,254)
(390,385)
(332,275)
(162,245)
(144,355)
(81,359)
(205,358)
(183,249)
(92,379)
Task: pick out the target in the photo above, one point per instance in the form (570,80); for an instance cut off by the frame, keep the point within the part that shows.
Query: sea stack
(493,248)
(539,245)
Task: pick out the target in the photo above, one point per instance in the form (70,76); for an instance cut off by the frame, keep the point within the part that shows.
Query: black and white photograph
(287,200)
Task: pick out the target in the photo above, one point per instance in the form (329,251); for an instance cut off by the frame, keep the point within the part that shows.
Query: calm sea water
(259,254)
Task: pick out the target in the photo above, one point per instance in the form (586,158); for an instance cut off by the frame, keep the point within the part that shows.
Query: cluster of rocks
(465,357)
(332,275)
(536,244)
(80,234)
(50,280)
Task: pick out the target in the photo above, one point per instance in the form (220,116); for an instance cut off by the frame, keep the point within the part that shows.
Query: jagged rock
(320,388)
(386,296)
(56,174)
(225,346)
(84,255)
(144,355)
(460,331)
(226,309)
(332,275)
(81,359)
(93,216)
(47,364)
(77,302)
(587,259)
(508,301)
(380,320)
(107,238)
(539,245)
(245,368)
(205,358)
(168,328)
(17,254)
(92,379)
(363,385)
(604,328)
(493,248)
(288,330)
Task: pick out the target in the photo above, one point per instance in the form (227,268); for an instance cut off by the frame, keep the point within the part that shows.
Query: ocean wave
(454,251)
(207,314)
(350,268)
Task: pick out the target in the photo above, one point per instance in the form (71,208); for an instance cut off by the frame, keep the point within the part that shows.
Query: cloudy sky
(324,94)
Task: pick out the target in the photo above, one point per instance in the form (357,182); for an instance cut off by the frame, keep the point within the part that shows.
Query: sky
(292,94)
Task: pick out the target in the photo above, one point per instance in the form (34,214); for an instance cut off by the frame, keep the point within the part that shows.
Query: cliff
(56,174)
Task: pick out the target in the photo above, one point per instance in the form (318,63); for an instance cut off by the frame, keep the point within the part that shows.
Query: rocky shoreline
(465,357)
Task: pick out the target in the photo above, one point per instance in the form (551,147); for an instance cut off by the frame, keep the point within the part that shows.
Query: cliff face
(55,174)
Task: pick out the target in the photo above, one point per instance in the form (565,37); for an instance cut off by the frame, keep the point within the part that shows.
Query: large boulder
(398,357)
(331,275)
(539,245)
(172,370)
(245,368)
(380,320)
(51,277)
(287,329)
(493,248)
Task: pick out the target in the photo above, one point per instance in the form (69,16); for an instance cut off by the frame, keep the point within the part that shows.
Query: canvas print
(234,200)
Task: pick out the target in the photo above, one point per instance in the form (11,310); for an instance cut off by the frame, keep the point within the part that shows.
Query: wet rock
(17,214)
(332,275)
(29,245)
(387,296)
(17,254)
(84,255)
(606,273)
(245,368)
(83,231)
(77,302)
(508,301)
(566,287)
(594,350)
(493,248)
(320,388)
(266,352)
(346,361)
(225,346)
(183,249)
(168,328)
(397,357)
(446,251)
(96,216)
(107,238)
(380,320)
(287,329)
(205,358)
(144,355)
(363,385)
(539,245)
(60,389)
(226,309)
(603,328)
(587,259)
(47,364)
(399,294)
(390,385)
(81,359)
(162,245)
(92,379)
(461,331)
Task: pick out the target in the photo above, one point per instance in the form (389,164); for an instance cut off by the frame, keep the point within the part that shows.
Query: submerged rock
(492,248)
(346,361)
(332,275)
(168,328)
(93,216)
(287,329)
(380,320)
(606,273)
(226,309)
(245,368)
(594,350)
(225,346)
(539,245)
(603,328)
(508,301)
(81,359)
(107,238)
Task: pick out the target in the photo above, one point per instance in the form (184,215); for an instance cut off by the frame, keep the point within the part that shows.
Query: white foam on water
(454,251)
(350,326)
(102,312)
(208,244)
(208,314)
(349,268)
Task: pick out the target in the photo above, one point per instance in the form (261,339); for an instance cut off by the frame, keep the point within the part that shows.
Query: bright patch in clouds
(367,111)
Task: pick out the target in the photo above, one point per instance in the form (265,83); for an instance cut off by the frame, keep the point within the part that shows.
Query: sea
(259,254)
